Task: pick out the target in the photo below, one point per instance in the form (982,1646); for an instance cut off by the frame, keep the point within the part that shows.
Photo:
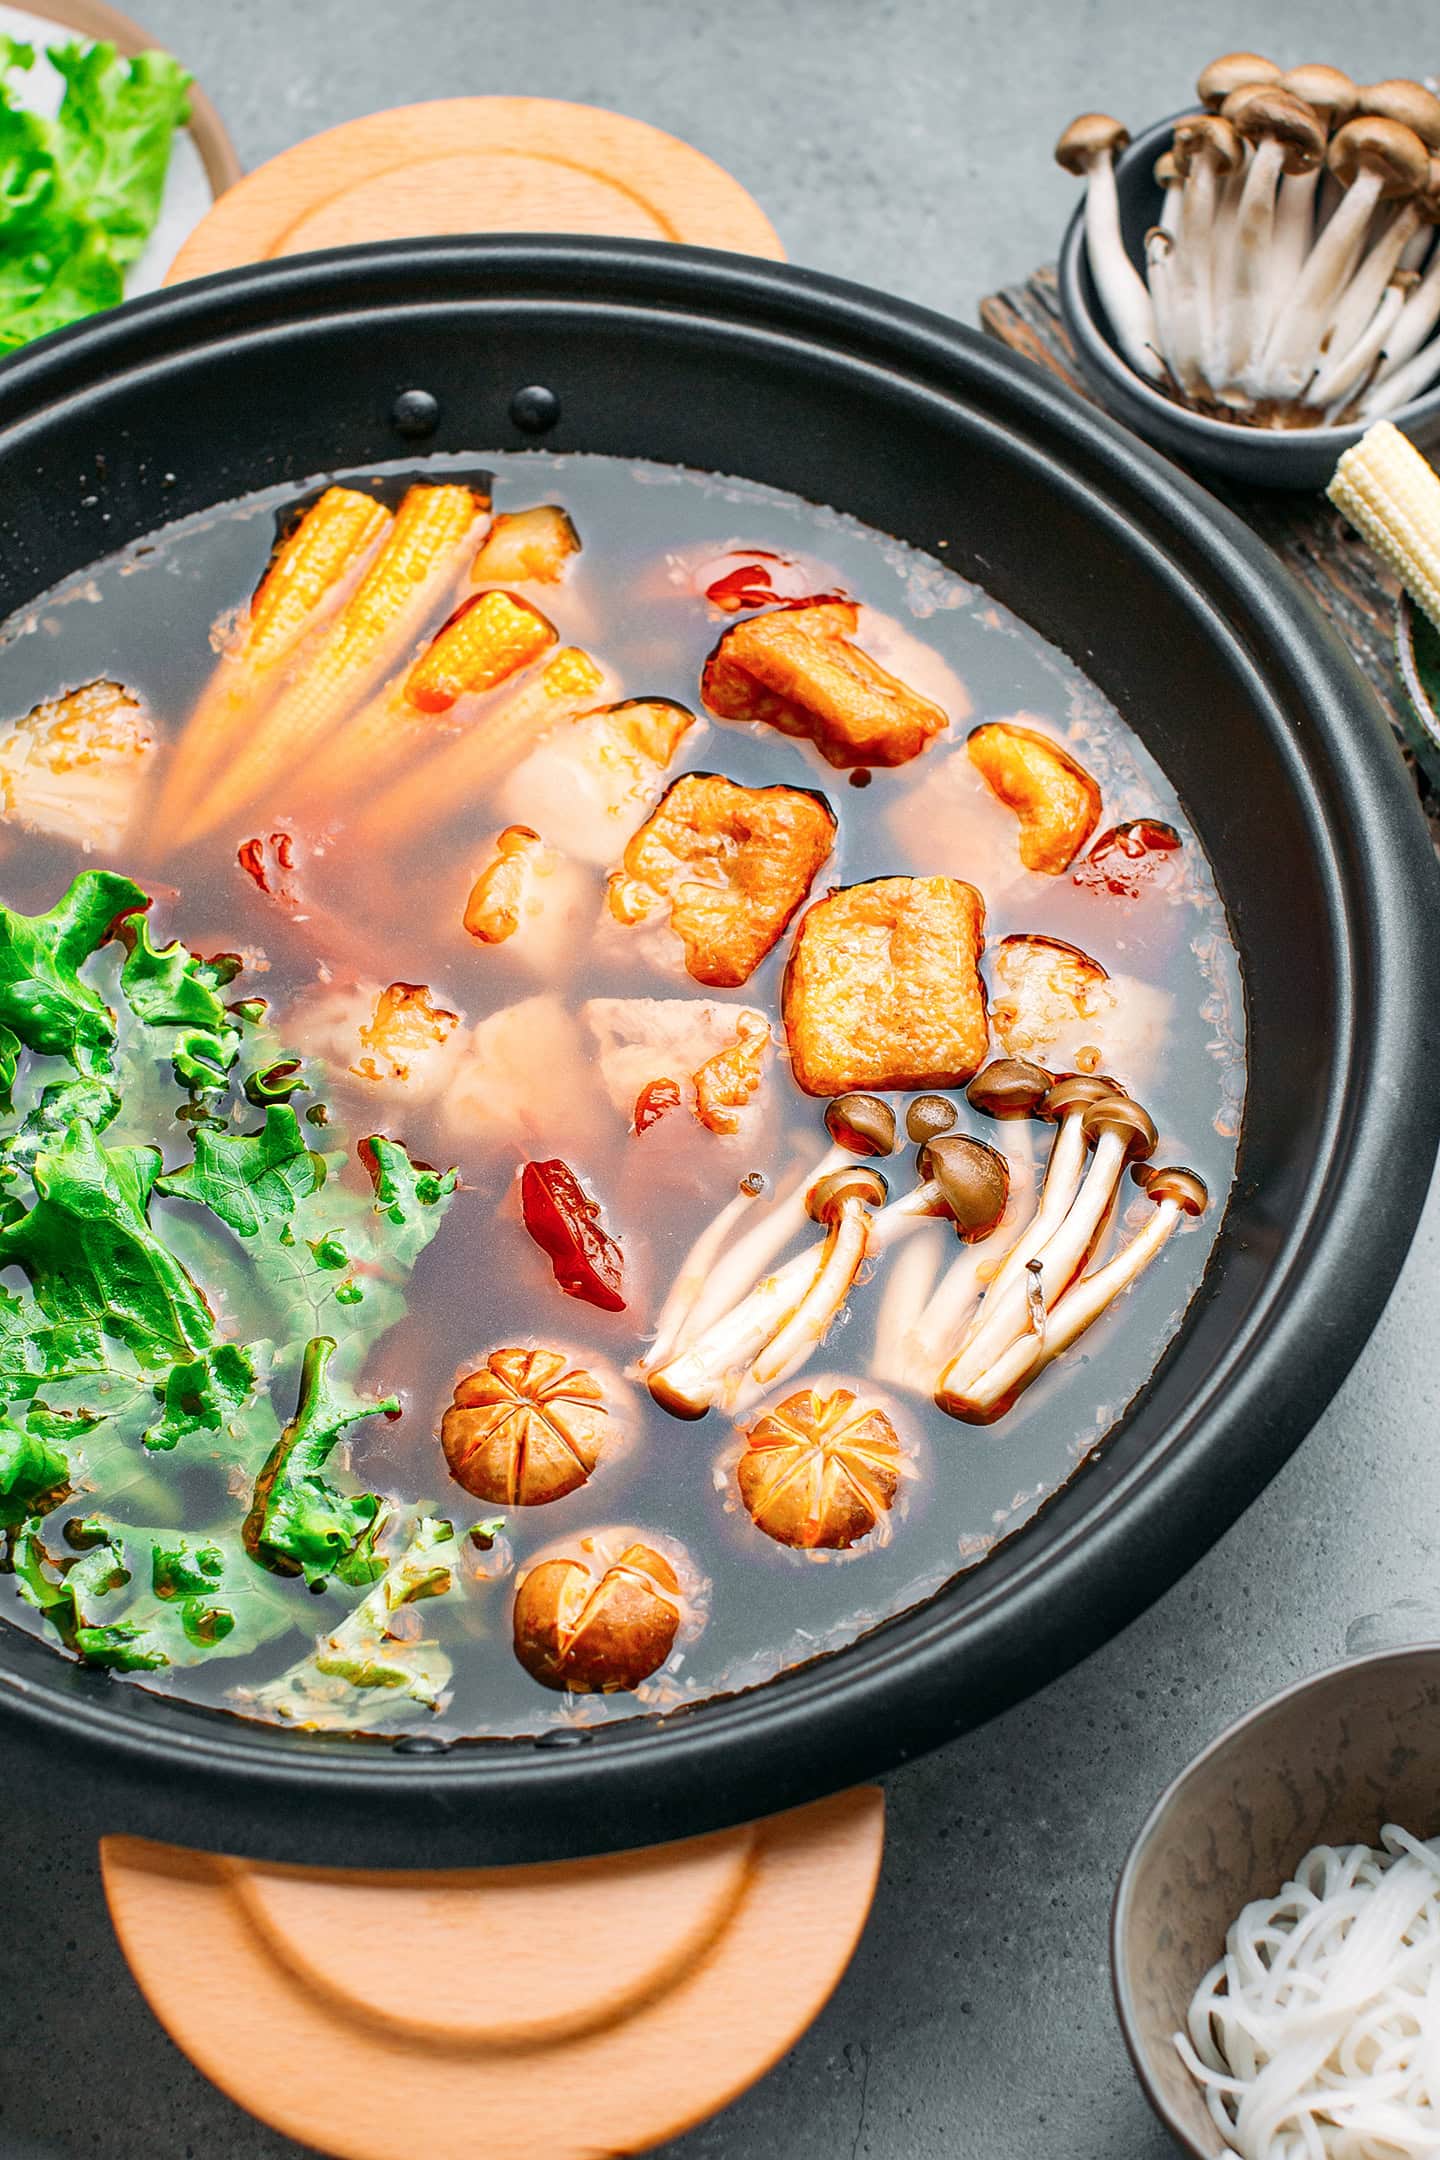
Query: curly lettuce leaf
(410,1196)
(300,1521)
(172,989)
(42,998)
(114,130)
(204,1394)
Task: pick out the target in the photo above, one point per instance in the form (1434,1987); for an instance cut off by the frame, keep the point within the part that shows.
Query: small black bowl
(1252,457)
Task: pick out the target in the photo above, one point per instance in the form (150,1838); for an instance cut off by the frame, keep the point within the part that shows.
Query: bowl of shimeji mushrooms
(1253,284)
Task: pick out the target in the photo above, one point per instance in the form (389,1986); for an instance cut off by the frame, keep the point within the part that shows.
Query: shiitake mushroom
(527,1427)
(599,1617)
(820,1470)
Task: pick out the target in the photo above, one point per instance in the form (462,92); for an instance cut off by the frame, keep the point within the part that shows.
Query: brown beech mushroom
(600,1618)
(862,1124)
(973,1180)
(1207,150)
(526,1428)
(1371,303)
(1408,103)
(1375,160)
(1089,147)
(929,1116)
(843,1202)
(1231,72)
(1286,138)
(1176,1193)
(820,1470)
(1055,799)
(1009,1087)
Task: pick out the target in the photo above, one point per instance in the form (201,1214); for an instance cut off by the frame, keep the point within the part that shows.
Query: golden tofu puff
(897,648)
(75,766)
(883,990)
(400,1038)
(802,670)
(1055,799)
(658,1056)
(522,1075)
(591,778)
(731,864)
(945,818)
(1053,1003)
(532,902)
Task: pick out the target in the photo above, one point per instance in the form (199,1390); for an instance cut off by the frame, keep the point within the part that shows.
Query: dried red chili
(271,875)
(653,1101)
(565,1223)
(1128,858)
(751,582)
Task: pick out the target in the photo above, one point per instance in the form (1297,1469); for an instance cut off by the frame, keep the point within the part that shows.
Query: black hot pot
(1179,615)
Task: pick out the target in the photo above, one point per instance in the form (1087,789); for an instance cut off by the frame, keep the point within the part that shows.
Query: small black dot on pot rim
(415,413)
(420,1744)
(563,1736)
(534,410)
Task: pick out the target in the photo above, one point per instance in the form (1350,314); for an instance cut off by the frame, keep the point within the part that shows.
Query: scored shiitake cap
(1263,114)
(1328,91)
(1387,148)
(1075,1091)
(1089,136)
(1118,1114)
(1009,1087)
(854,1181)
(930,1115)
(1409,103)
(1185,1187)
(974,1179)
(1232,71)
(1207,134)
(863,1123)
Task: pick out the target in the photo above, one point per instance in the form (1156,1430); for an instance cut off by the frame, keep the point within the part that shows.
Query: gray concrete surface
(904,142)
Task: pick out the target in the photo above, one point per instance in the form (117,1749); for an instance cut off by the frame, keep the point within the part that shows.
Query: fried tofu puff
(712,1055)
(1055,799)
(733,864)
(801,671)
(883,987)
(1053,1003)
(534,901)
(586,783)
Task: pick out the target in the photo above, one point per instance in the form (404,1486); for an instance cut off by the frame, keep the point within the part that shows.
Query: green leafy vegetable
(203,1394)
(33,1473)
(171,989)
(250,1179)
(79,194)
(42,998)
(410,1196)
(300,1522)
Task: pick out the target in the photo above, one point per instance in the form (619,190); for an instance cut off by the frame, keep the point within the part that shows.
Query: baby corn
(569,683)
(307,579)
(1391,495)
(487,640)
(420,559)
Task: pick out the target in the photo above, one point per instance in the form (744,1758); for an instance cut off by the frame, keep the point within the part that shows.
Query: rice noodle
(1317,2034)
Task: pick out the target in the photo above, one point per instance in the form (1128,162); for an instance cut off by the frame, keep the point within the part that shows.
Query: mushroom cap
(1167,172)
(1263,114)
(1409,103)
(974,1179)
(820,1471)
(863,1123)
(1387,148)
(600,1618)
(1009,1087)
(854,1181)
(1232,71)
(1075,1091)
(1329,90)
(1427,202)
(1089,136)
(930,1115)
(526,1427)
(1171,1182)
(1118,1114)
(1207,134)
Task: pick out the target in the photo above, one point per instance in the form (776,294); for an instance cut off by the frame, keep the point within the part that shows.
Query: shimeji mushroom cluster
(1293,279)
(736,1324)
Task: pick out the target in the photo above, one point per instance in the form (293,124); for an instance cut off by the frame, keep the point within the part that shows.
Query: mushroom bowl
(173,407)
(1302,458)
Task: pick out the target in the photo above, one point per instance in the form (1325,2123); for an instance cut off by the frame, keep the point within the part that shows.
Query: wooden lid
(480,164)
(533,2013)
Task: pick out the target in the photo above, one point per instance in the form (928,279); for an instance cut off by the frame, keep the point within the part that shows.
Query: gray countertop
(905,143)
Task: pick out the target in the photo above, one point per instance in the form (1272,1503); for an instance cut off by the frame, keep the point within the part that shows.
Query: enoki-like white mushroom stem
(1176,1193)
(1286,138)
(698,1376)
(1120,1130)
(1089,146)
(1207,150)
(694,1273)
(1335,387)
(840,1258)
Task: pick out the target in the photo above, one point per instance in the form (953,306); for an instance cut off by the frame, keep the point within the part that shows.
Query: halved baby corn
(1391,495)
(488,639)
(569,683)
(418,563)
(309,576)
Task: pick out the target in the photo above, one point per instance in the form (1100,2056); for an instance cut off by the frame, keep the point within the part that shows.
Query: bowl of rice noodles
(1276,1932)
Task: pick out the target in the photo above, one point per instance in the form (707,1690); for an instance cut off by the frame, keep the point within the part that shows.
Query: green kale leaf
(409,1196)
(250,1180)
(300,1522)
(204,1394)
(34,1475)
(170,988)
(42,998)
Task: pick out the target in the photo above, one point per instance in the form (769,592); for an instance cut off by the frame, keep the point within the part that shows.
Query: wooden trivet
(1352,587)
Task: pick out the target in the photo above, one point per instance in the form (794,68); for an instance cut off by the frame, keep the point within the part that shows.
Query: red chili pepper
(1129,857)
(653,1101)
(750,582)
(565,1223)
(252,856)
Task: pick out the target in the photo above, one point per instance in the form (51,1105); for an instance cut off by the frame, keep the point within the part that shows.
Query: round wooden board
(480,164)
(543,2013)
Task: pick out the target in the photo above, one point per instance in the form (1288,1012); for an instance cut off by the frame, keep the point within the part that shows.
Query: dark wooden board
(1351,586)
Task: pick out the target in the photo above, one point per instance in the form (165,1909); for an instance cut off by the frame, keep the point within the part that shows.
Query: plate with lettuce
(100,178)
